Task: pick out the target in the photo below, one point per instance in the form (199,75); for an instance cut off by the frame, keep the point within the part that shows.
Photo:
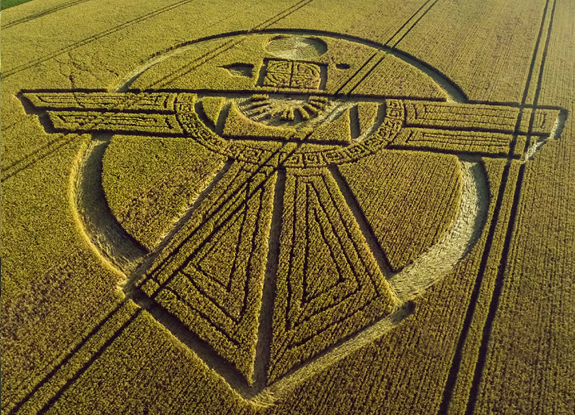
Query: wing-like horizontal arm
(128,113)
(115,122)
(482,129)
(145,101)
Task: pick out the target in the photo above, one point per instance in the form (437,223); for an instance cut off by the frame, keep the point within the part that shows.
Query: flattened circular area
(296,47)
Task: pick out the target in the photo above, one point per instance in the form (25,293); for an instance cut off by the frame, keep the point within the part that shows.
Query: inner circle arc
(120,246)
(453,91)
(123,252)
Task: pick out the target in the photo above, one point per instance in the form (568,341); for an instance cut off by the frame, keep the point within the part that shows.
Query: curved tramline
(274,305)
(302,207)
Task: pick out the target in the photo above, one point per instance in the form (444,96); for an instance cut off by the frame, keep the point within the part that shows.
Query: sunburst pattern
(268,109)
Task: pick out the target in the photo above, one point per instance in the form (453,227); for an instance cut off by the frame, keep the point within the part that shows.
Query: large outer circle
(203,59)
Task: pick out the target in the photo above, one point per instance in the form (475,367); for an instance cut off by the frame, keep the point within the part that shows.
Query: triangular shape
(217,259)
(321,270)
(220,303)
(406,185)
(303,329)
(366,114)
(212,107)
(240,69)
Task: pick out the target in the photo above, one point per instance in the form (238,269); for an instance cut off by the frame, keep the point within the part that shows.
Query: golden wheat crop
(303,207)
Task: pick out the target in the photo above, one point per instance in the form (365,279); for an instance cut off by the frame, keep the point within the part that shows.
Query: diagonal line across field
(59,370)
(26,164)
(335,224)
(8,73)
(35,156)
(374,60)
(30,159)
(405,29)
(213,53)
(541,48)
(43,13)
(494,305)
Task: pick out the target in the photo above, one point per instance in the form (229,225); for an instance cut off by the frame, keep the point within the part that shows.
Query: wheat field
(288,207)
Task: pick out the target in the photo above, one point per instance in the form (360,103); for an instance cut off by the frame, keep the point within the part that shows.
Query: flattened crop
(276,209)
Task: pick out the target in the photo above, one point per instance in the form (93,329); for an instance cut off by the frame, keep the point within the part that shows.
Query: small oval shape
(296,47)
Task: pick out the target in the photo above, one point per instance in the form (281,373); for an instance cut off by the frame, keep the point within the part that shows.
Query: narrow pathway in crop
(540,51)
(43,13)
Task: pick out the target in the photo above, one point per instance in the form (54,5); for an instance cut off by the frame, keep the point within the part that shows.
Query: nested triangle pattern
(212,275)
(353,292)
(324,274)
(327,252)
(218,260)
